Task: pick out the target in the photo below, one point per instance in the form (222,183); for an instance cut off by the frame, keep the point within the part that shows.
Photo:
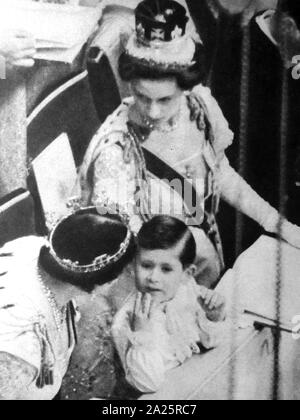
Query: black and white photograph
(149,202)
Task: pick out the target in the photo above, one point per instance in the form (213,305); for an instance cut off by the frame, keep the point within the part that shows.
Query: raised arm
(234,189)
(239,194)
(143,364)
(145,367)
(138,346)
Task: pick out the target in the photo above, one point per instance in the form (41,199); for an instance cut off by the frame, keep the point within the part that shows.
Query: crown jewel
(101,261)
(160,37)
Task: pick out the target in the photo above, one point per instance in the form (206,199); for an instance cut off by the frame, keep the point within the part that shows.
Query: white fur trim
(179,52)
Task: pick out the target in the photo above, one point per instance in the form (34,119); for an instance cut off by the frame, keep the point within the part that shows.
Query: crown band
(161,66)
(176,54)
(100,262)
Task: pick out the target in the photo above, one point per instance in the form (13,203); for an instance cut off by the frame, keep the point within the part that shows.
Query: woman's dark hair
(166,232)
(130,69)
(82,238)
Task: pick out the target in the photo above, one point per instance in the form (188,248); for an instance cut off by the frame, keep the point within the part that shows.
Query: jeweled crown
(160,37)
(101,261)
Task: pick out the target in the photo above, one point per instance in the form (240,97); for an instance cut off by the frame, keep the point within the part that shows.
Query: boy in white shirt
(169,317)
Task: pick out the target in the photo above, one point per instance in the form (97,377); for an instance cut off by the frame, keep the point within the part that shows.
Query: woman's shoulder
(15,376)
(205,97)
(111,134)
(19,317)
(19,279)
(223,136)
(116,123)
(26,247)
(20,253)
(203,91)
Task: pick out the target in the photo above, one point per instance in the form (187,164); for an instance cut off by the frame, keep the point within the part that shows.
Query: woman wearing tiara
(163,150)
(38,281)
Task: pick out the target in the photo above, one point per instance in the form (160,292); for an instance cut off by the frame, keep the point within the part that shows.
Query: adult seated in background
(265,99)
(171,130)
(275,38)
(218,23)
(267,62)
(38,282)
(17,48)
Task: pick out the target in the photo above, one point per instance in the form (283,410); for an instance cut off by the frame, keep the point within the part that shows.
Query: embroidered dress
(122,166)
(94,371)
(28,326)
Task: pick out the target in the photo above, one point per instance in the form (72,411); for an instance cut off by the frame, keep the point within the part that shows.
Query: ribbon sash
(184,187)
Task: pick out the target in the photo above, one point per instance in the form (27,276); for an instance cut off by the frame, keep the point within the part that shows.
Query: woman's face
(157,100)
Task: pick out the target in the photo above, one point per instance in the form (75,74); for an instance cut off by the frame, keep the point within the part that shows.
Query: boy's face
(159,273)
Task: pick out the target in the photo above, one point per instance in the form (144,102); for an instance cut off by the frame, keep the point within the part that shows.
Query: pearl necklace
(59,314)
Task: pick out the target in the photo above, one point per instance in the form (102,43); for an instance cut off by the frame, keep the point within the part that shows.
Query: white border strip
(14,201)
(193,394)
(54,95)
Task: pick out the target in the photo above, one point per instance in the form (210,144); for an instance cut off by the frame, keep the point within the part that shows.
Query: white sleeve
(223,136)
(145,367)
(239,194)
(141,358)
